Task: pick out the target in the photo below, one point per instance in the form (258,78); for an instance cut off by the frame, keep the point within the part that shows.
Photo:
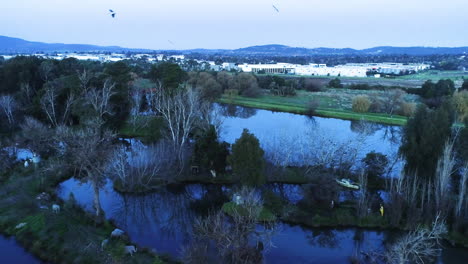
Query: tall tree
(209,152)
(247,159)
(423,140)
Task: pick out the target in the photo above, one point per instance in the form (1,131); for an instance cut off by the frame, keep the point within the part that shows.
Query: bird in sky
(170,42)
(112,13)
(274,7)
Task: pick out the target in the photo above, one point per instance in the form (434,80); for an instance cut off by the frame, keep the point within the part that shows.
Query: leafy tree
(335,83)
(423,140)
(119,73)
(247,85)
(464,85)
(209,152)
(209,88)
(439,89)
(169,74)
(247,159)
(375,164)
(460,102)
(361,104)
(312,85)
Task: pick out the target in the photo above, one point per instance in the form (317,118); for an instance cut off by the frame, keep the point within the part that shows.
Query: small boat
(347,183)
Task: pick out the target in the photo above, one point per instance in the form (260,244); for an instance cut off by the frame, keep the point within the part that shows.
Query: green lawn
(329,106)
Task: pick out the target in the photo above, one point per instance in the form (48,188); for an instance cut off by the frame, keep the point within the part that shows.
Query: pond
(292,139)
(11,252)
(163,221)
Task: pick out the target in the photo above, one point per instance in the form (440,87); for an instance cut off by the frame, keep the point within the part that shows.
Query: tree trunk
(97,201)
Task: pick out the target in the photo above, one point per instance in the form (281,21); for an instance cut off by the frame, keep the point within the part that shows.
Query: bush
(312,85)
(247,159)
(407,109)
(335,83)
(360,86)
(312,106)
(361,104)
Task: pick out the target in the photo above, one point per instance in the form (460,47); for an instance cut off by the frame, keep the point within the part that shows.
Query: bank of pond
(163,221)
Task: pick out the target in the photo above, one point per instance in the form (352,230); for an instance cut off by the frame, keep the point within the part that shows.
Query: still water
(163,220)
(292,139)
(11,252)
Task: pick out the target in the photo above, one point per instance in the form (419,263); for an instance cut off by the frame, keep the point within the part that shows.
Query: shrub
(407,109)
(361,104)
(335,83)
(313,85)
(312,106)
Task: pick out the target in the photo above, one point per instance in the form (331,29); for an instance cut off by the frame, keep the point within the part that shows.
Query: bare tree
(180,111)
(45,70)
(363,201)
(445,169)
(85,78)
(417,245)
(392,100)
(36,136)
(88,150)
(231,238)
(461,199)
(50,107)
(27,93)
(99,100)
(8,105)
(143,167)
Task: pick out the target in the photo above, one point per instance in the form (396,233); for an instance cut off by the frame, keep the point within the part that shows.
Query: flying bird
(112,13)
(274,7)
(170,42)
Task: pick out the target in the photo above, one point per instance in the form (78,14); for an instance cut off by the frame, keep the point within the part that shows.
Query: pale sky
(188,24)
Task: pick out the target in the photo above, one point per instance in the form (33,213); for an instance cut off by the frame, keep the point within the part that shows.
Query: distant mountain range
(15,45)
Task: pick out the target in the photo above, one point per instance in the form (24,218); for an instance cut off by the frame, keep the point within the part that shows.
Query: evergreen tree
(210,153)
(423,139)
(247,160)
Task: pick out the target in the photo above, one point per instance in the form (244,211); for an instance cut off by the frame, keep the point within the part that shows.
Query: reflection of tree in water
(326,238)
(392,134)
(211,200)
(364,127)
(162,213)
(246,112)
(237,111)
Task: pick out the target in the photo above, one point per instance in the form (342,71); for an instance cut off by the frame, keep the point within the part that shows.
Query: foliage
(209,153)
(335,83)
(407,109)
(169,74)
(247,159)
(460,101)
(312,85)
(423,139)
(375,164)
(361,104)
(434,90)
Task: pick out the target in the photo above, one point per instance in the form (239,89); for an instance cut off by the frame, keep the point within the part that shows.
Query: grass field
(407,81)
(329,106)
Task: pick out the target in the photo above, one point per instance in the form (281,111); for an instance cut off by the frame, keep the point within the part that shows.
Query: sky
(211,24)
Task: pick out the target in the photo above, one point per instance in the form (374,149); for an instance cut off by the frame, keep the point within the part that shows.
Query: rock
(56,208)
(117,233)
(20,225)
(43,197)
(104,243)
(130,250)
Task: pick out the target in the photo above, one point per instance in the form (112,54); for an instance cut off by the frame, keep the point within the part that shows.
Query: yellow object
(381,210)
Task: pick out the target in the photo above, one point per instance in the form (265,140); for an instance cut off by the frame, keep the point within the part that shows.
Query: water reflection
(163,221)
(291,139)
(11,252)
